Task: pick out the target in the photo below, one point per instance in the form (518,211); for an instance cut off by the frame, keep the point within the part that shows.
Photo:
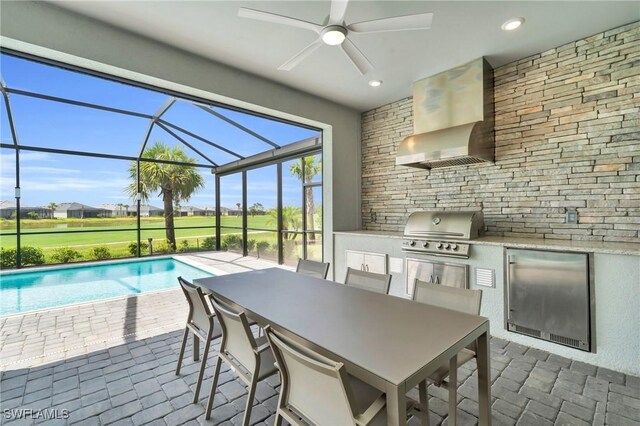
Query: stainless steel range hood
(453,119)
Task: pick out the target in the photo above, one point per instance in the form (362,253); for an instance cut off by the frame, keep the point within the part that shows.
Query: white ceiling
(461,31)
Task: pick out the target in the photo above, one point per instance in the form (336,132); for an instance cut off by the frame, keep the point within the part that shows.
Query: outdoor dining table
(388,342)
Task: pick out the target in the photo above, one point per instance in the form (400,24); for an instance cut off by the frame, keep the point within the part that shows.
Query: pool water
(28,291)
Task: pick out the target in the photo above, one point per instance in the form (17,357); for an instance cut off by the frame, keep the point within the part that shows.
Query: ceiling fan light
(375,83)
(334,35)
(512,24)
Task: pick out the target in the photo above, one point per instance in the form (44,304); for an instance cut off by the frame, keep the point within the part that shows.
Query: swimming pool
(29,291)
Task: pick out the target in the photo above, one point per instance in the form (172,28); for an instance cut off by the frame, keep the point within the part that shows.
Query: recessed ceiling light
(512,24)
(334,35)
(375,83)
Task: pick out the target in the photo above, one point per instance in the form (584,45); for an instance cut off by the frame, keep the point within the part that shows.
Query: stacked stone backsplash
(567,136)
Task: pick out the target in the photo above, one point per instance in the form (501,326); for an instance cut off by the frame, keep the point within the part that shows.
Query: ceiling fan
(335,32)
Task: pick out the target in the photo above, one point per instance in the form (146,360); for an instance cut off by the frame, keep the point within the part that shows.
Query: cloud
(64,184)
(47,170)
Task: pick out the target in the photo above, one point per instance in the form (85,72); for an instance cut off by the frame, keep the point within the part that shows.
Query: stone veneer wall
(567,135)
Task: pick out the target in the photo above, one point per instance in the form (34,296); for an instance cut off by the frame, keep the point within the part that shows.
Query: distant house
(189,211)
(209,210)
(224,211)
(79,211)
(147,210)
(8,210)
(115,210)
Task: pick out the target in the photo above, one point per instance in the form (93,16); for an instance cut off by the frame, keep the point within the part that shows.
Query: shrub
(100,253)
(28,256)
(209,243)
(162,248)
(262,247)
(31,256)
(8,258)
(65,255)
(230,242)
(251,244)
(133,248)
(184,246)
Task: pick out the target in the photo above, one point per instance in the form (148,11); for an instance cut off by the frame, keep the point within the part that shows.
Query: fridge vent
(565,340)
(529,331)
(486,277)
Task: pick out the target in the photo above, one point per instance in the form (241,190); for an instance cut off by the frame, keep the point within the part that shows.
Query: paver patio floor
(114,363)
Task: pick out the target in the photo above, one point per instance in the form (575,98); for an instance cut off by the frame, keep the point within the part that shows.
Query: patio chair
(313,268)
(368,280)
(250,358)
(200,323)
(316,390)
(457,299)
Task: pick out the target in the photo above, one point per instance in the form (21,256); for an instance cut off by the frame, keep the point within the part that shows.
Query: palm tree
(291,221)
(126,209)
(52,206)
(311,169)
(239,205)
(175,182)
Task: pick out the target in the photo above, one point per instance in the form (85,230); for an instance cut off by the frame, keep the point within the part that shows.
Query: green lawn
(117,242)
(107,237)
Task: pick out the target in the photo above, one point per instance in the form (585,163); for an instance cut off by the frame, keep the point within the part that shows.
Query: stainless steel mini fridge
(549,296)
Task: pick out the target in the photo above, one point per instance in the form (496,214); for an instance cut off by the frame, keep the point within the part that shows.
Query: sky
(49,177)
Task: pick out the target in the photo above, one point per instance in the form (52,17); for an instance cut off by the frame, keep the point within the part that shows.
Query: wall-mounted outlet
(571,215)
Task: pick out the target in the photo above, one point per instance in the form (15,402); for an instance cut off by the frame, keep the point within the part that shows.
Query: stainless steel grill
(442,233)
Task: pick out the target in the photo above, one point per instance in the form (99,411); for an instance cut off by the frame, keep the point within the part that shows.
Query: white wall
(48,31)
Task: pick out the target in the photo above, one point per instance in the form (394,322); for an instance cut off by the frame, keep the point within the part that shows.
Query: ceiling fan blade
(298,57)
(356,56)
(421,21)
(338,10)
(260,15)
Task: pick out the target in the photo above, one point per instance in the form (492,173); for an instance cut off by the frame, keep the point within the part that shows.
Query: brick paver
(120,370)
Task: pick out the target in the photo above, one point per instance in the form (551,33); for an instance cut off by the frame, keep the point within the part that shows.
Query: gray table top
(386,335)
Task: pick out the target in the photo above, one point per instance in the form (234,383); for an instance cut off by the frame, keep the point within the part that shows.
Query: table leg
(484,379)
(396,405)
(424,403)
(453,390)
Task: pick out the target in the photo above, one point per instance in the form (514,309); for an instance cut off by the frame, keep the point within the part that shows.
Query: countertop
(632,249)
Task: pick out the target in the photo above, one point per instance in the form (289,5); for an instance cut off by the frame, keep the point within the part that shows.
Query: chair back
(237,338)
(458,299)
(312,268)
(199,311)
(313,387)
(368,280)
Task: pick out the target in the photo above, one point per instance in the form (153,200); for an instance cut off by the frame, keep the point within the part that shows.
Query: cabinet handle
(367,266)
(362,267)
(437,279)
(431,279)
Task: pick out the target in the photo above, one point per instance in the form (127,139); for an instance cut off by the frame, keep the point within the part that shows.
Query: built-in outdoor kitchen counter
(614,272)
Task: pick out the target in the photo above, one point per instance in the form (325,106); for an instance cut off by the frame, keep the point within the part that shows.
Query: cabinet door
(420,270)
(376,263)
(355,260)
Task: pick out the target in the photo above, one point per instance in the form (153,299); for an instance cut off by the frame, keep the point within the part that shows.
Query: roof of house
(75,206)
(150,208)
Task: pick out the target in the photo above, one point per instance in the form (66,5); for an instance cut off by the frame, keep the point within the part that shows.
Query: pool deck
(39,337)
(113,362)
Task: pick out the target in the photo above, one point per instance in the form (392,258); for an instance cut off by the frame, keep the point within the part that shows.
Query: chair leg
(214,385)
(203,365)
(424,403)
(196,347)
(252,392)
(184,345)
(453,390)
(278,419)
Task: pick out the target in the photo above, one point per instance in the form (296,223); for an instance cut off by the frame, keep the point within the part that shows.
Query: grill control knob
(447,246)
(454,247)
(412,243)
(425,245)
(440,245)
